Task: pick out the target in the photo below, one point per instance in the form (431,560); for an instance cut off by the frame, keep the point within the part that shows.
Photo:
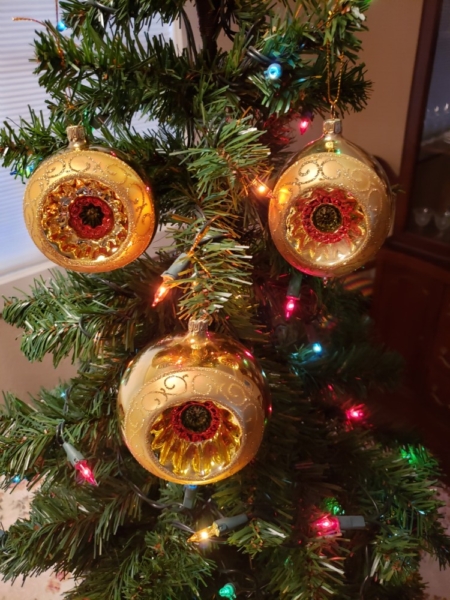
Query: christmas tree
(331,504)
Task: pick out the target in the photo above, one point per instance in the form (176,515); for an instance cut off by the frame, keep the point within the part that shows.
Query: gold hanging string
(333,102)
(332,13)
(58,44)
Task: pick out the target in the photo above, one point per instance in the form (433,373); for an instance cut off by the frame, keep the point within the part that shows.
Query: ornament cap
(198,326)
(76,134)
(331,126)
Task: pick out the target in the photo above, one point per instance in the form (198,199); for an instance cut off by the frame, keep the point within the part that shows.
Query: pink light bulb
(85,472)
(327,525)
(290,306)
(355,413)
(303,125)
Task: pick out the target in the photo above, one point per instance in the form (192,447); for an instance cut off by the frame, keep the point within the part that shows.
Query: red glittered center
(331,215)
(90,217)
(196,421)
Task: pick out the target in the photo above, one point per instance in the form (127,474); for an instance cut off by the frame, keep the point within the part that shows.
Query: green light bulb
(332,506)
(228,591)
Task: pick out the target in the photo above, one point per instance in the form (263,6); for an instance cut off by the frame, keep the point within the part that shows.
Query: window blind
(19,89)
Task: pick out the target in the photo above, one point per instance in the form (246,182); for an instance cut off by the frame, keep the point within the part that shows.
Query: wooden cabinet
(412,312)
(411,309)
(411,305)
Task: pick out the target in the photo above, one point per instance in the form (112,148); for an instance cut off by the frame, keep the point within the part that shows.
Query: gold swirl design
(184,369)
(325,170)
(88,165)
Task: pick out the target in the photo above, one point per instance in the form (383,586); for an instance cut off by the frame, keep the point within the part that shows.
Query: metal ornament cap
(193,407)
(76,135)
(332,206)
(104,192)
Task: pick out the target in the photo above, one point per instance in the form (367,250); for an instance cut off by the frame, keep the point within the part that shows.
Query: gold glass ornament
(193,407)
(87,210)
(332,206)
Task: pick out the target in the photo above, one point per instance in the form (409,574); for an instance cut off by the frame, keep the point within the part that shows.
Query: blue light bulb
(61,26)
(16,479)
(317,348)
(273,72)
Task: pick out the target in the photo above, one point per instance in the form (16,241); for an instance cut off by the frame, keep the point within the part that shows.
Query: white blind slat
(19,89)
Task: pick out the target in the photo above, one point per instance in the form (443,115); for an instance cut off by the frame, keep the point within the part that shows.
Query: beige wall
(389,53)
(17,375)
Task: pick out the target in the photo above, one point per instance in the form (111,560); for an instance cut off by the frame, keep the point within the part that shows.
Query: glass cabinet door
(429,206)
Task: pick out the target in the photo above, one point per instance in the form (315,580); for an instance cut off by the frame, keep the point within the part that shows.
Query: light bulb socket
(179,265)
(351,522)
(73,455)
(295,284)
(228,523)
(190,494)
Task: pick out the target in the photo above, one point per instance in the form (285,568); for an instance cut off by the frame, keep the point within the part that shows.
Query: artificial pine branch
(222,126)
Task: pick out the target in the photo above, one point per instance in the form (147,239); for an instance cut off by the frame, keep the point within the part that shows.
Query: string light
(260,188)
(86,472)
(415,455)
(24,172)
(228,591)
(290,306)
(303,125)
(333,507)
(203,535)
(293,294)
(190,494)
(182,261)
(217,528)
(79,463)
(75,458)
(171,274)
(327,526)
(61,26)
(317,348)
(273,72)
(161,293)
(355,413)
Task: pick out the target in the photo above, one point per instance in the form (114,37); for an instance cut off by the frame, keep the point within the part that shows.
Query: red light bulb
(355,413)
(327,526)
(290,306)
(303,125)
(85,472)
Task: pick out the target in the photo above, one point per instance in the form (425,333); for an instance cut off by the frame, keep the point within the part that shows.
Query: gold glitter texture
(346,228)
(195,369)
(103,174)
(55,220)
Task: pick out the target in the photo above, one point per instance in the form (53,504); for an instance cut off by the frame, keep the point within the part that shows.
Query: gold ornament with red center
(331,208)
(193,407)
(88,210)
(325,215)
